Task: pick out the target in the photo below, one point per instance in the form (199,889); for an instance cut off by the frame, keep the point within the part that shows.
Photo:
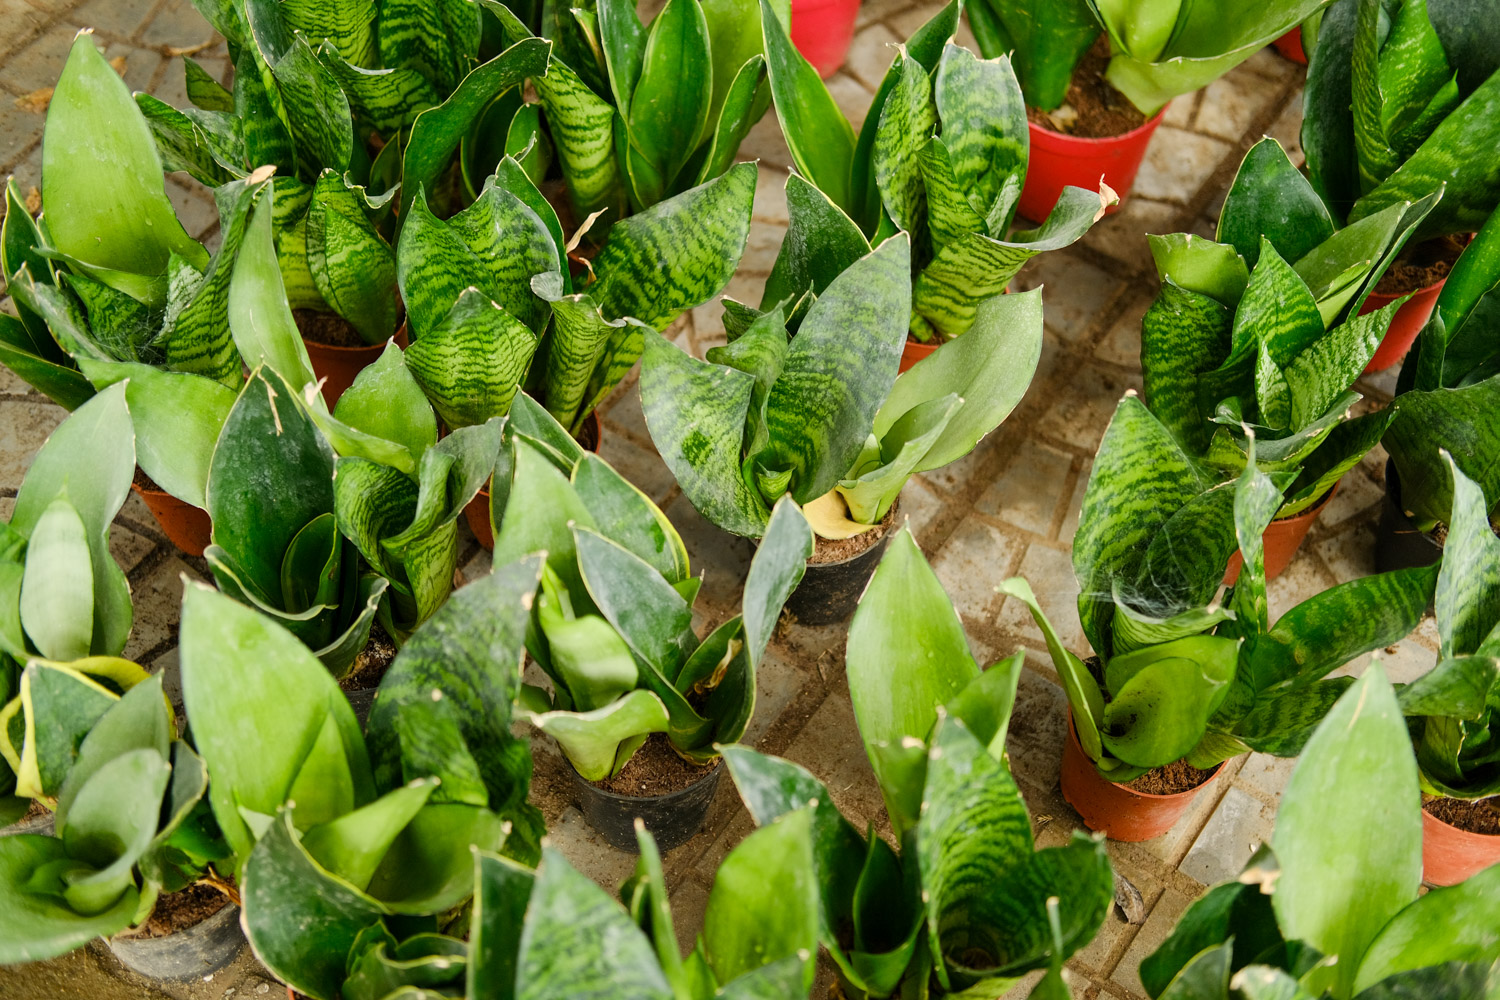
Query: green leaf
(907,121)
(779,563)
(352,845)
(58,704)
(502,892)
(386,402)
(624,514)
(89,461)
(1045,41)
(983,116)
(1468,585)
(38,926)
(1201,265)
(63,385)
(907,656)
(1163,697)
(1085,698)
(648,612)
(1445,925)
(353,267)
(137,721)
(1184,335)
(436,134)
(819,136)
(259,317)
(578,943)
(1357,775)
(542,502)
(1231,909)
(592,741)
(57,592)
(821,243)
(472,362)
(838,370)
(668,110)
(737,115)
(111,823)
(1270,198)
(1458,687)
(97,141)
(764,902)
(1464,421)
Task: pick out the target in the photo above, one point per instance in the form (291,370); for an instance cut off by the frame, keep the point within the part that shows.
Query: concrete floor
(1009,508)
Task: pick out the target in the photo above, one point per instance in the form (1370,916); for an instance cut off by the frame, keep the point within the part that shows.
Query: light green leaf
(818,134)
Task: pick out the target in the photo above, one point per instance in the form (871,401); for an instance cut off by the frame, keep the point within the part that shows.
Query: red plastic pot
(1290,45)
(915,351)
(1281,541)
(1405,325)
(1115,810)
(185,526)
(822,31)
(1450,855)
(1058,160)
(338,366)
(477,511)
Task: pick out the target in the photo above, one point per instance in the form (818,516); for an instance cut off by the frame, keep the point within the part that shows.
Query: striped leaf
(1200,265)
(577,341)
(1466,423)
(838,370)
(438,39)
(350,24)
(1184,561)
(907,122)
(1468,586)
(984,131)
(819,136)
(1319,374)
(1184,334)
(311,100)
(354,268)
(1140,478)
(96,140)
(821,243)
(1270,198)
(1277,310)
(203,90)
(472,363)
(437,132)
(974,267)
(1256,499)
(387,100)
(181,145)
(949,215)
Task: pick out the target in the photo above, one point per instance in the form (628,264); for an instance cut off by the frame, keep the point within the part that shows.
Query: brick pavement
(1011,507)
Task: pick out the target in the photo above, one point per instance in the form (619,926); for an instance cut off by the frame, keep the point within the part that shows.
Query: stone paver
(1011,507)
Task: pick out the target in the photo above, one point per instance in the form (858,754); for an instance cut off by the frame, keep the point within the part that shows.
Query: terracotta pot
(1282,539)
(1405,325)
(186,526)
(1290,45)
(822,31)
(1450,855)
(338,366)
(1115,810)
(1058,160)
(477,511)
(1399,543)
(915,351)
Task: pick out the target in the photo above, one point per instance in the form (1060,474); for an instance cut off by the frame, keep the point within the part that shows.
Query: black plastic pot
(192,953)
(829,592)
(362,701)
(672,818)
(1399,543)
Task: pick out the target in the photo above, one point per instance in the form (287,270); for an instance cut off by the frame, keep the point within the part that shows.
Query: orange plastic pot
(1059,160)
(1405,325)
(1283,537)
(822,31)
(1450,855)
(185,526)
(1290,45)
(1115,810)
(915,351)
(338,366)
(477,511)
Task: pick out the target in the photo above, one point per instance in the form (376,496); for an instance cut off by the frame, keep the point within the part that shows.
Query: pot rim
(1386,298)
(608,796)
(1310,512)
(1458,831)
(1103,140)
(1073,738)
(225,914)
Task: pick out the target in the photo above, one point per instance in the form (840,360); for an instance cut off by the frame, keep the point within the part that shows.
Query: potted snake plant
(1447,400)
(1401,103)
(1265,325)
(966,907)
(1333,906)
(1183,678)
(822,416)
(637,700)
(1454,710)
(1097,76)
(940,156)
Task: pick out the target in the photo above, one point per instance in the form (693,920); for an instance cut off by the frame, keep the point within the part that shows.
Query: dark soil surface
(1473,815)
(145,482)
(1101,110)
(326,328)
(1169,779)
(178,911)
(832,550)
(371,663)
(656,769)
(1418,267)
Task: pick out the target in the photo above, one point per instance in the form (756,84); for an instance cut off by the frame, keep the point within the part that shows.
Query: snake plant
(492,305)
(1449,390)
(1454,709)
(333,832)
(612,626)
(967,906)
(639,113)
(942,155)
(1161,48)
(822,416)
(127,800)
(1185,673)
(1261,327)
(1333,906)
(1402,100)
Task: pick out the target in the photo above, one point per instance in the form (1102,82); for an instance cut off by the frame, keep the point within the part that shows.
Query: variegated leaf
(471,364)
(354,268)
(984,131)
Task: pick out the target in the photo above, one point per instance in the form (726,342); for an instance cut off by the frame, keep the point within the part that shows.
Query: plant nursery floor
(1009,508)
